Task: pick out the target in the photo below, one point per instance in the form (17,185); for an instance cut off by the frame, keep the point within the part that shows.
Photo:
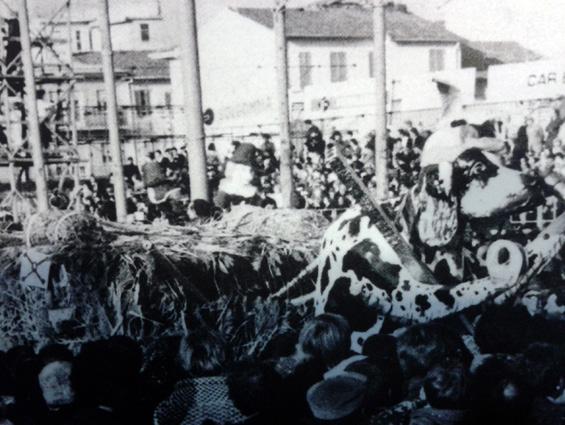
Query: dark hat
(244,154)
(338,397)
(335,134)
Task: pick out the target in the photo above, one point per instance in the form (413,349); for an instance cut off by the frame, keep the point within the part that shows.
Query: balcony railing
(135,120)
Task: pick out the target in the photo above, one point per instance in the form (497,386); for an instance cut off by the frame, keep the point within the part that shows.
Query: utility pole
(32,114)
(379,57)
(195,138)
(279,18)
(71,96)
(112,104)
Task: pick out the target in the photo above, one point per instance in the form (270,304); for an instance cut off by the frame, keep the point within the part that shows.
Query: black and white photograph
(282,212)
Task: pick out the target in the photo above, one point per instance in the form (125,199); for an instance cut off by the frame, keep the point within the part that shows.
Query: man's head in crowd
(55,383)
(337,137)
(422,346)
(54,376)
(253,389)
(445,386)
(202,354)
(158,155)
(325,338)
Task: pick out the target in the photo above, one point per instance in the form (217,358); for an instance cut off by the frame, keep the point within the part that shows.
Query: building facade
(328,47)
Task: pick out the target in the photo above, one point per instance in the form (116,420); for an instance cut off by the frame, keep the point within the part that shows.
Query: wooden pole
(71,97)
(286,182)
(31,106)
(379,57)
(195,138)
(112,104)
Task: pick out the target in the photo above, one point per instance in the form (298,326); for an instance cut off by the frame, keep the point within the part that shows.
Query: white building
(143,29)
(326,47)
(330,55)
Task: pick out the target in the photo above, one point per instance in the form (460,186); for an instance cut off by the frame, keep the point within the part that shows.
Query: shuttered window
(144,28)
(142,102)
(338,66)
(437,60)
(305,65)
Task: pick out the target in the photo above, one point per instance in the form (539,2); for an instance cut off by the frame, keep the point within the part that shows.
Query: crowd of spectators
(317,186)
(511,370)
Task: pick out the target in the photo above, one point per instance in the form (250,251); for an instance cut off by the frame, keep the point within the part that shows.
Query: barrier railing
(137,120)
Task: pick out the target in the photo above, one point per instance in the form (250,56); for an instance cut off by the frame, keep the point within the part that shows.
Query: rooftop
(138,63)
(353,22)
(505,51)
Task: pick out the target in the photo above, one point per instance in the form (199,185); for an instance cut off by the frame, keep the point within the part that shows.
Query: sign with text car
(526,81)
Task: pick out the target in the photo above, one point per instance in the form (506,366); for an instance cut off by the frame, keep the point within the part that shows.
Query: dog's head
(476,185)
(486,188)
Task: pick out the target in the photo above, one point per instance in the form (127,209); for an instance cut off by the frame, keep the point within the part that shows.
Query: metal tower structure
(54,78)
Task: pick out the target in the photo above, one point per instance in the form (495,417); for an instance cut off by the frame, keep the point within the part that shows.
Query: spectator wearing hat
(339,399)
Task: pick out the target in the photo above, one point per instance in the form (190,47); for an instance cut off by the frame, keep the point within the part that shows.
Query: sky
(536,24)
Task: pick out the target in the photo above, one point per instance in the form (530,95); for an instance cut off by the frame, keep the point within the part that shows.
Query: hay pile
(147,281)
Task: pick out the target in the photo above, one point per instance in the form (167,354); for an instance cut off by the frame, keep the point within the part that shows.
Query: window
(78,41)
(142,102)
(101,100)
(77,109)
(437,60)
(371,65)
(144,32)
(168,99)
(338,65)
(305,65)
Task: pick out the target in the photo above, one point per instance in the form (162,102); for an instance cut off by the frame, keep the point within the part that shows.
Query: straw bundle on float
(147,280)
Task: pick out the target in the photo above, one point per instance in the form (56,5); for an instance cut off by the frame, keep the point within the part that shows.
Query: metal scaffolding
(33,52)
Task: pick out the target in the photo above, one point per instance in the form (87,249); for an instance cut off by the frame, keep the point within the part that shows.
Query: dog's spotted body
(361,277)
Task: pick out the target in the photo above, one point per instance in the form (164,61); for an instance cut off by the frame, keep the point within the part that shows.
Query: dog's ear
(436,207)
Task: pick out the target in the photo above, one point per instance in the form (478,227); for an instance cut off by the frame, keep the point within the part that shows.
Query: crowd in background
(528,147)
(317,186)
(510,371)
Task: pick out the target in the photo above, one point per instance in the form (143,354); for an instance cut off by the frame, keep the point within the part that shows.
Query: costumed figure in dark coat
(240,176)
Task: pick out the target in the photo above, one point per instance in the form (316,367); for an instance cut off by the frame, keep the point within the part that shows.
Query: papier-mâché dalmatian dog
(361,277)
